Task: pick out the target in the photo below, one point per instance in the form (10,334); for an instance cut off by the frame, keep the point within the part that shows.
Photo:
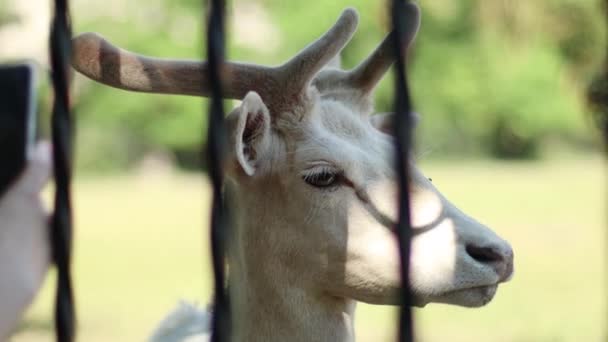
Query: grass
(141,246)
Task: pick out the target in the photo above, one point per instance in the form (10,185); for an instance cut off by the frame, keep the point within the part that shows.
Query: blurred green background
(500,79)
(505,134)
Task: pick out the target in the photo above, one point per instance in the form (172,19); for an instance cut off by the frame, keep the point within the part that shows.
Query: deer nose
(499,258)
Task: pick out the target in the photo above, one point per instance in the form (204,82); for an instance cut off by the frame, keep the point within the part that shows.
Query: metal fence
(216,143)
(62,131)
(62,134)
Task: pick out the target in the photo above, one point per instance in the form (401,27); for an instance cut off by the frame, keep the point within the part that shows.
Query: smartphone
(17,120)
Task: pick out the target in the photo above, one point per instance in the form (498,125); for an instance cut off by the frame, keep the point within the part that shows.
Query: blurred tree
(6,16)
(499,77)
(489,77)
(598,90)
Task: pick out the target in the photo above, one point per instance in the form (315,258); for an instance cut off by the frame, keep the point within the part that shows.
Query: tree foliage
(488,77)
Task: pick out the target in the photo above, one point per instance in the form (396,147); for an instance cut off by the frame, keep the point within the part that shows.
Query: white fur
(185,323)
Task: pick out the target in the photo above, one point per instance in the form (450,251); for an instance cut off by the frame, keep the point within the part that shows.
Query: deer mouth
(476,296)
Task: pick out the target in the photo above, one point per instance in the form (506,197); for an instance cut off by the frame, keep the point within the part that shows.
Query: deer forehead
(337,134)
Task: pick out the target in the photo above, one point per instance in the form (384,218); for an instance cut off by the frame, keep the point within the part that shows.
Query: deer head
(313,171)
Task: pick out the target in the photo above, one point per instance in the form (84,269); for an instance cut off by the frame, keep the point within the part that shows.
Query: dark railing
(216,143)
(403,141)
(62,133)
(216,140)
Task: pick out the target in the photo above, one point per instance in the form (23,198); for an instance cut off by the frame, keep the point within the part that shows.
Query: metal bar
(403,135)
(216,140)
(62,134)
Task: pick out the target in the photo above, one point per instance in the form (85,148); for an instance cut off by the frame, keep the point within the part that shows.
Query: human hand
(24,240)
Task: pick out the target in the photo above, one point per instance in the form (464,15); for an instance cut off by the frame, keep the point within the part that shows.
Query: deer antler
(366,75)
(279,86)
(103,62)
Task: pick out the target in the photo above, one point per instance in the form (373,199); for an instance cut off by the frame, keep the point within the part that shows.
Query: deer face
(313,171)
(331,179)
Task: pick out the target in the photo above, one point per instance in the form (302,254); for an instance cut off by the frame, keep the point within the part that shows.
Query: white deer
(315,192)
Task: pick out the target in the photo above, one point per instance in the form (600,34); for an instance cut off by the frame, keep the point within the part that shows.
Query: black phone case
(15,102)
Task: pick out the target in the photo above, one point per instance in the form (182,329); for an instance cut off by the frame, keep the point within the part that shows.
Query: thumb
(38,169)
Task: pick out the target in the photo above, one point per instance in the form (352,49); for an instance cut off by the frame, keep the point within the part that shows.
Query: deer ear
(251,132)
(384,122)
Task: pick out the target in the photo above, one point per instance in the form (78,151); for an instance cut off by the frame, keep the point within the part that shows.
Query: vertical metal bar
(216,140)
(403,135)
(62,134)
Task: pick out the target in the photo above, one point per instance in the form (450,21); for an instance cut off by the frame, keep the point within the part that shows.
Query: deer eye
(322,178)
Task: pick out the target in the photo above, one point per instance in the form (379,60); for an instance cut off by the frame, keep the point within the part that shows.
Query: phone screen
(17,121)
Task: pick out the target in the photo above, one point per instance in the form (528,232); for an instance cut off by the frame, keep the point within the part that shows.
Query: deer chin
(471,297)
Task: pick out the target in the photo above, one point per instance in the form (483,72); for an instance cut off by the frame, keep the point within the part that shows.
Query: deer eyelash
(323,176)
(318,169)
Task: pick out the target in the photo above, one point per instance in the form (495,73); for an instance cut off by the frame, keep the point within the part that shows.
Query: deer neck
(272,303)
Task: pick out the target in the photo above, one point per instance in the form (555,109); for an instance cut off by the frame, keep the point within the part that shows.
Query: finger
(38,170)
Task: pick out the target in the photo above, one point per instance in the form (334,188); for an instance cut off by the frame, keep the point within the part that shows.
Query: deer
(311,169)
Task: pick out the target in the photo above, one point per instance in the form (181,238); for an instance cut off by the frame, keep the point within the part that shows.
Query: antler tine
(101,61)
(301,69)
(367,75)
